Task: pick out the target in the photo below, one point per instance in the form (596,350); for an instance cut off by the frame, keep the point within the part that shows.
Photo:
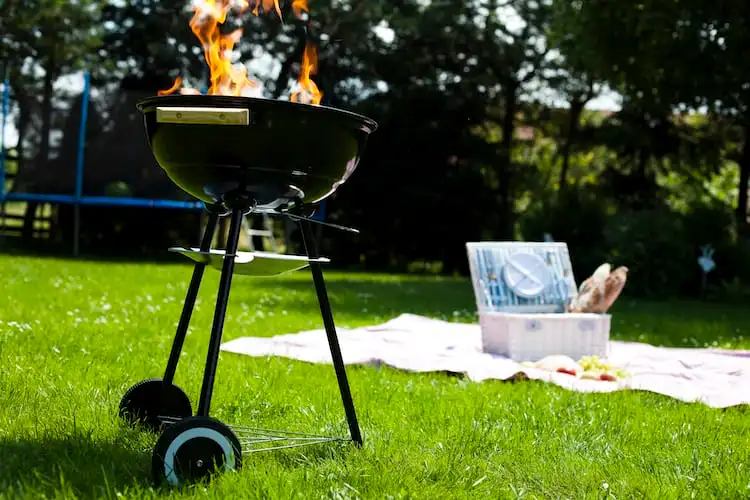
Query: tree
(485,55)
(670,56)
(52,35)
(55,37)
(515,56)
(572,78)
(152,42)
(578,89)
(720,36)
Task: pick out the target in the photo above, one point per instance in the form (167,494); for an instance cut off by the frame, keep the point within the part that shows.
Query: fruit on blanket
(559,363)
(596,369)
(588,367)
(599,376)
(566,371)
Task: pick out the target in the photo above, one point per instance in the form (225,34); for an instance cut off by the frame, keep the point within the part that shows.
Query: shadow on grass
(70,466)
(81,467)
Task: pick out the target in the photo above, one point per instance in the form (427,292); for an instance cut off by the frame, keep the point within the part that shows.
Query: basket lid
(521,276)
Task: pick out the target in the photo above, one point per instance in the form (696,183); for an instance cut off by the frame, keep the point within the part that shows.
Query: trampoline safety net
(96,152)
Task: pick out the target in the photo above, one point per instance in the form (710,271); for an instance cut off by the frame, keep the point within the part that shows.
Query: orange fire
(232,79)
(174,88)
(226,78)
(299,6)
(308,92)
(267,5)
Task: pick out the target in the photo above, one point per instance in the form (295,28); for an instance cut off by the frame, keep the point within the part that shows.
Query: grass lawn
(74,335)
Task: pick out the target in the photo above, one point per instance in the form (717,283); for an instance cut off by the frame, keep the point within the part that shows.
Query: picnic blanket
(717,378)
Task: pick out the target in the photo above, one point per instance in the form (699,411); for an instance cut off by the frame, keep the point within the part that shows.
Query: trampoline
(100,162)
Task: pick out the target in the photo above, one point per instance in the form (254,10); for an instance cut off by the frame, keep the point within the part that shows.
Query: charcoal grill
(240,155)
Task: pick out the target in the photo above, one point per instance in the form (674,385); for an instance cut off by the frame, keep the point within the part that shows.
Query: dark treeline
(486,126)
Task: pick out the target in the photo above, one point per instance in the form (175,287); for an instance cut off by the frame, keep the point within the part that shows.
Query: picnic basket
(522,291)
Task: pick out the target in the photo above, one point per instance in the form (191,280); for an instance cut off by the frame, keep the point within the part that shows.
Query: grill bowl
(287,151)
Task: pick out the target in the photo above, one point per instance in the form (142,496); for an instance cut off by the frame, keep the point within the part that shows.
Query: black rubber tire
(193,449)
(147,401)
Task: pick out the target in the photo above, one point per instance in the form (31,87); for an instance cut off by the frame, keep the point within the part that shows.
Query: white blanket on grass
(716,378)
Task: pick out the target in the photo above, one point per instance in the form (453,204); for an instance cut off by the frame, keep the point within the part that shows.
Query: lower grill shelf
(251,263)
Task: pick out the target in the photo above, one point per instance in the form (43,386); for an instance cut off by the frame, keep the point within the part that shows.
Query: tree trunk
(44,148)
(574,117)
(642,188)
(505,163)
(744,181)
(24,120)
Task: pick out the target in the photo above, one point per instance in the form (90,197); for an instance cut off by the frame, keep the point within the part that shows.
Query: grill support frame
(311,248)
(310,245)
(222,301)
(189,305)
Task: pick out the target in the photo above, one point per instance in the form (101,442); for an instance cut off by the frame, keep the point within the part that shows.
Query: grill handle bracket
(300,218)
(202,116)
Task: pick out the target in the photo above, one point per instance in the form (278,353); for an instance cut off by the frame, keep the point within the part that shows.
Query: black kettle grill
(240,155)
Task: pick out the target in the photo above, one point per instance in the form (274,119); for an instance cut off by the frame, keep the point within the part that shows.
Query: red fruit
(607,377)
(567,371)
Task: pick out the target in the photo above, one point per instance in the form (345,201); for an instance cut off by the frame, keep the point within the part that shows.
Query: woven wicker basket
(527,328)
(489,260)
(530,337)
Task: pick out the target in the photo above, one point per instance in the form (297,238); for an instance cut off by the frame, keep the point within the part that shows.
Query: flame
(171,90)
(232,79)
(267,5)
(308,92)
(300,6)
(226,78)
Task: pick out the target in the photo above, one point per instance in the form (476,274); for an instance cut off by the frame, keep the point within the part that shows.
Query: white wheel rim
(197,432)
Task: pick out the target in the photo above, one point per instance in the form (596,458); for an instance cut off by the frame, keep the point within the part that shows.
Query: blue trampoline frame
(77,199)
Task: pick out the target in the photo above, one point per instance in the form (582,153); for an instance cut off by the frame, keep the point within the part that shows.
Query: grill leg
(192,294)
(222,299)
(333,341)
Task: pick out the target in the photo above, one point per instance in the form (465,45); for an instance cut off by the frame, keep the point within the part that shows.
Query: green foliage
(63,34)
(151,40)
(653,245)
(664,247)
(666,56)
(58,36)
(659,246)
(576,218)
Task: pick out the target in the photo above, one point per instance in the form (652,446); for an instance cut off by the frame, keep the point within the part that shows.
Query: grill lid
(273,152)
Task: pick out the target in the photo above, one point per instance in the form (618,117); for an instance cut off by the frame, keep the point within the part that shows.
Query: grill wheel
(149,401)
(194,448)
